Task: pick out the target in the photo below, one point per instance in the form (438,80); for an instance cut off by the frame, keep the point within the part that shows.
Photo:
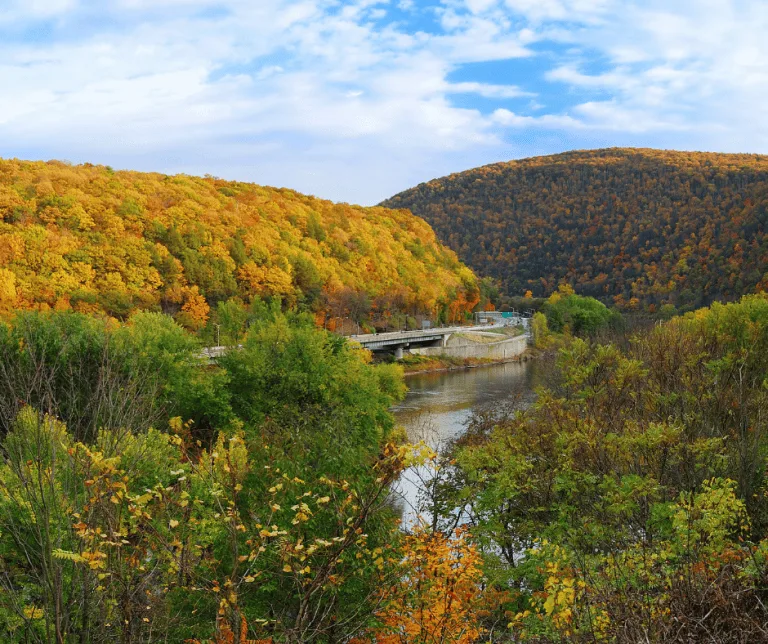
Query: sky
(356,100)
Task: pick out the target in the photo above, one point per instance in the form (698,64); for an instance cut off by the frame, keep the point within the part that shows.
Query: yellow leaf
(31,612)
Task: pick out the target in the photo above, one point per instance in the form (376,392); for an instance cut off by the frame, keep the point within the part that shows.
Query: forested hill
(95,240)
(635,227)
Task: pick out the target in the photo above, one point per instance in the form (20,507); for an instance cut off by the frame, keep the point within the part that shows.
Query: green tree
(67,365)
(626,497)
(540,331)
(583,316)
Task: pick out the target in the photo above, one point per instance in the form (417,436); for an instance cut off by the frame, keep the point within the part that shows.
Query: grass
(511,331)
(417,363)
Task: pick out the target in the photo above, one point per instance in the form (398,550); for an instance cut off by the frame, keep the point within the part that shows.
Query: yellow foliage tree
(8,295)
(194,312)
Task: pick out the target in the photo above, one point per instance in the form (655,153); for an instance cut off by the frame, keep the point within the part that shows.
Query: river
(439,405)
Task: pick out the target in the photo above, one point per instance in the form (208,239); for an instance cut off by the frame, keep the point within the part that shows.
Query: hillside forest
(639,229)
(150,493)
(93,240)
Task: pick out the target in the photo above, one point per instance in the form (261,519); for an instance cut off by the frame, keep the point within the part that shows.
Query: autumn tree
(625,503)
(440,596)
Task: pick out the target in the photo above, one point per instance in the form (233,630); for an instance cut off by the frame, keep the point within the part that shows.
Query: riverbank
(417,364)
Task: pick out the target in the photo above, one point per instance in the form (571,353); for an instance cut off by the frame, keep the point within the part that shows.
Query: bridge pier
(399,353)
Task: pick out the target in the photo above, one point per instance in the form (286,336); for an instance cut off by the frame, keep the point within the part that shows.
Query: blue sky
(355,100)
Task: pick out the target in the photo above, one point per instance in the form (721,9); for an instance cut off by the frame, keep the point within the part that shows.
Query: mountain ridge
(636,227)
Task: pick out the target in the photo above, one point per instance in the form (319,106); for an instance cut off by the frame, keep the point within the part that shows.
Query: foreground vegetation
(629,503)
(149,496)
(639,229)
(146,496)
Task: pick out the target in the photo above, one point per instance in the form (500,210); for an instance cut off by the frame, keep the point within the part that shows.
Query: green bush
(582,316)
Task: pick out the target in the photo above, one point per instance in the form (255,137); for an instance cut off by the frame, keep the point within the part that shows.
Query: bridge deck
(395,338)
(390,339)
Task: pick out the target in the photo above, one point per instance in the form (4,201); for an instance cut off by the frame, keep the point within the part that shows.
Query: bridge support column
(399,353)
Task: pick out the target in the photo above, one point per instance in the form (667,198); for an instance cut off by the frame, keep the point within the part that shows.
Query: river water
(439,405)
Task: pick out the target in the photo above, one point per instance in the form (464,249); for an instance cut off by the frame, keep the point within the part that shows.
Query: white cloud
(510,119)
(487,90)
(332,97)
(588,11)
(480,6)
(15,11)
(691,70)
(175,83)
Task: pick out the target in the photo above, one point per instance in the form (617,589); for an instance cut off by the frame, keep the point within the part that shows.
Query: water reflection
(438,407)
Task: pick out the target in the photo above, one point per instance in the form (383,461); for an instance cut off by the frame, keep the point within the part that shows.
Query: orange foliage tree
(440,597)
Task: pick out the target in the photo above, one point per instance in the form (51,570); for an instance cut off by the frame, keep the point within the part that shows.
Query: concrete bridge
(392,342)
(398,341)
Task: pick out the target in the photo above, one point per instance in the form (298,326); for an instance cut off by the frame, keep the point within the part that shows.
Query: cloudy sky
(355,100)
